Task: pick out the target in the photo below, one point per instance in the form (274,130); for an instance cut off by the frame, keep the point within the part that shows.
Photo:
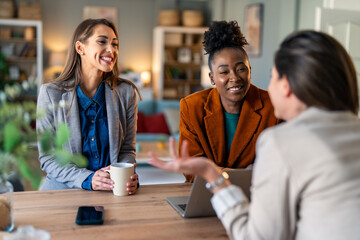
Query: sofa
(158,120)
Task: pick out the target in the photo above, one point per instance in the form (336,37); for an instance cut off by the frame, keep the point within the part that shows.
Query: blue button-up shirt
(94,130)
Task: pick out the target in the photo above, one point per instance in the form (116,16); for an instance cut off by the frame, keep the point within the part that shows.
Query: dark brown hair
(222,34)
(319,70)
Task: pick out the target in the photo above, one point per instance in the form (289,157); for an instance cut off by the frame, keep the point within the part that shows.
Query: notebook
(198,204)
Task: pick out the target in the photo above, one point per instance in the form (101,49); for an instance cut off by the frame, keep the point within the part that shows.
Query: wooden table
(146,215)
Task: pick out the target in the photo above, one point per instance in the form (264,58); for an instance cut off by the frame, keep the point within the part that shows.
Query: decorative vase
(6,203)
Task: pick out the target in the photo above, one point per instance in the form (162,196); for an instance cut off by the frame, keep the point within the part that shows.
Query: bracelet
(212,186)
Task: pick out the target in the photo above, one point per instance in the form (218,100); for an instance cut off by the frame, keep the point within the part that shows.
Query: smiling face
(231,75)
(100,51)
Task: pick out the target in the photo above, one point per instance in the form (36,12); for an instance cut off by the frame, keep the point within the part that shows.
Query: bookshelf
(21,43)
(177,61)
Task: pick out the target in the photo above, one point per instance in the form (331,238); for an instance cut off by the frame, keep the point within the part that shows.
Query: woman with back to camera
(223,123)
(101,111)
(306,175)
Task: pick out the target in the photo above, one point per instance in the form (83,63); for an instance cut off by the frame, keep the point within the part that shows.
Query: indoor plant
(17,136)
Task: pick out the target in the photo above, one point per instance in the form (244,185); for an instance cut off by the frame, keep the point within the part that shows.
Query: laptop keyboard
(182,206)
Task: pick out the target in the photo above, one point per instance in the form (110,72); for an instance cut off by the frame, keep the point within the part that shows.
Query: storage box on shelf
(177,61)
(21,43)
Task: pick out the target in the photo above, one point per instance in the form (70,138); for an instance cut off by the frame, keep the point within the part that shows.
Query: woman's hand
(132,185)
(200,166)
(101,180)
(185,164)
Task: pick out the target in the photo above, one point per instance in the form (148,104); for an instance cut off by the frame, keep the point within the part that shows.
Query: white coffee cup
(120,173)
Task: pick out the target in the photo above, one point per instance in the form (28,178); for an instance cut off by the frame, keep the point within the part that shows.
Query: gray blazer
(305,182)
(122,118)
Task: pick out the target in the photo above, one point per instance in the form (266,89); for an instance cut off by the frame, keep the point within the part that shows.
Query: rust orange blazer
(202,125)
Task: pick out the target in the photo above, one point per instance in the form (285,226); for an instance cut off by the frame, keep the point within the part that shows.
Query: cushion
(141,123)
(154,123)
(172,117)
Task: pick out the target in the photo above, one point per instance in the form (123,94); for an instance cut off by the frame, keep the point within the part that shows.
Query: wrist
(220,182)
(211,172)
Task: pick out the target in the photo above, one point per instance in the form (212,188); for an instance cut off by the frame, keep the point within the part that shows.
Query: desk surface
(146,215)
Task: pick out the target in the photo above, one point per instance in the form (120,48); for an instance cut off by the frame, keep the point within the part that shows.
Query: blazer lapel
(247,126)
(215,127)
(73,121)
(112,109)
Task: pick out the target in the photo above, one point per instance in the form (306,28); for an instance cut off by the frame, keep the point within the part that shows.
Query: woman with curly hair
(101,111)
(223,123)
(306,177)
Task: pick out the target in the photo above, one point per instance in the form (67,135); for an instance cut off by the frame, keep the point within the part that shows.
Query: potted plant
(17,136)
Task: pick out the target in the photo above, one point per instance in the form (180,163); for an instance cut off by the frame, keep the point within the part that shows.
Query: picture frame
(253,28)
(109,13)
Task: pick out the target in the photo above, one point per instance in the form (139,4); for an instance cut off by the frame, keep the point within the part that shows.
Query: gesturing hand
(184,163)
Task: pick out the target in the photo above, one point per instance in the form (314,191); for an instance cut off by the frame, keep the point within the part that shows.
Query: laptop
(198,204)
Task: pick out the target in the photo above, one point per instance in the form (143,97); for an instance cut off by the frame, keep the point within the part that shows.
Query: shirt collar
(85,101)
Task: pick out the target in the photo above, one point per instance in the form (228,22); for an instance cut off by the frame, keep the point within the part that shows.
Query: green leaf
(24,168)
(35,182)
(33,175)
(36,179)
(62,136)
(12,137)
(62,157)
(80,160)
(46,141)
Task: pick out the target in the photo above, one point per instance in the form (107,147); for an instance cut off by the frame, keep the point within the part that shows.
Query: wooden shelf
(17,40)
(195,46)
(183,81)
(24,57)
(21,59)
(174,79)
(179,64)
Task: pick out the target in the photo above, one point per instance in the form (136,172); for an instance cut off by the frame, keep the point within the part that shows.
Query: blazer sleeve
(188,133)
(268,216)
(70,174)
(127,149)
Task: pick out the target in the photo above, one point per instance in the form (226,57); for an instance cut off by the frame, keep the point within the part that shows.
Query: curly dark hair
(223,34)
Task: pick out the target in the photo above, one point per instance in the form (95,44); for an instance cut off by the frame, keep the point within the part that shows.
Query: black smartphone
(90,215)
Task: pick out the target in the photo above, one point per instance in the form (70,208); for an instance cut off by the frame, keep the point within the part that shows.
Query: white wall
(279,20)
(136,19)
(307,9)
(307,13)
(342,4)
